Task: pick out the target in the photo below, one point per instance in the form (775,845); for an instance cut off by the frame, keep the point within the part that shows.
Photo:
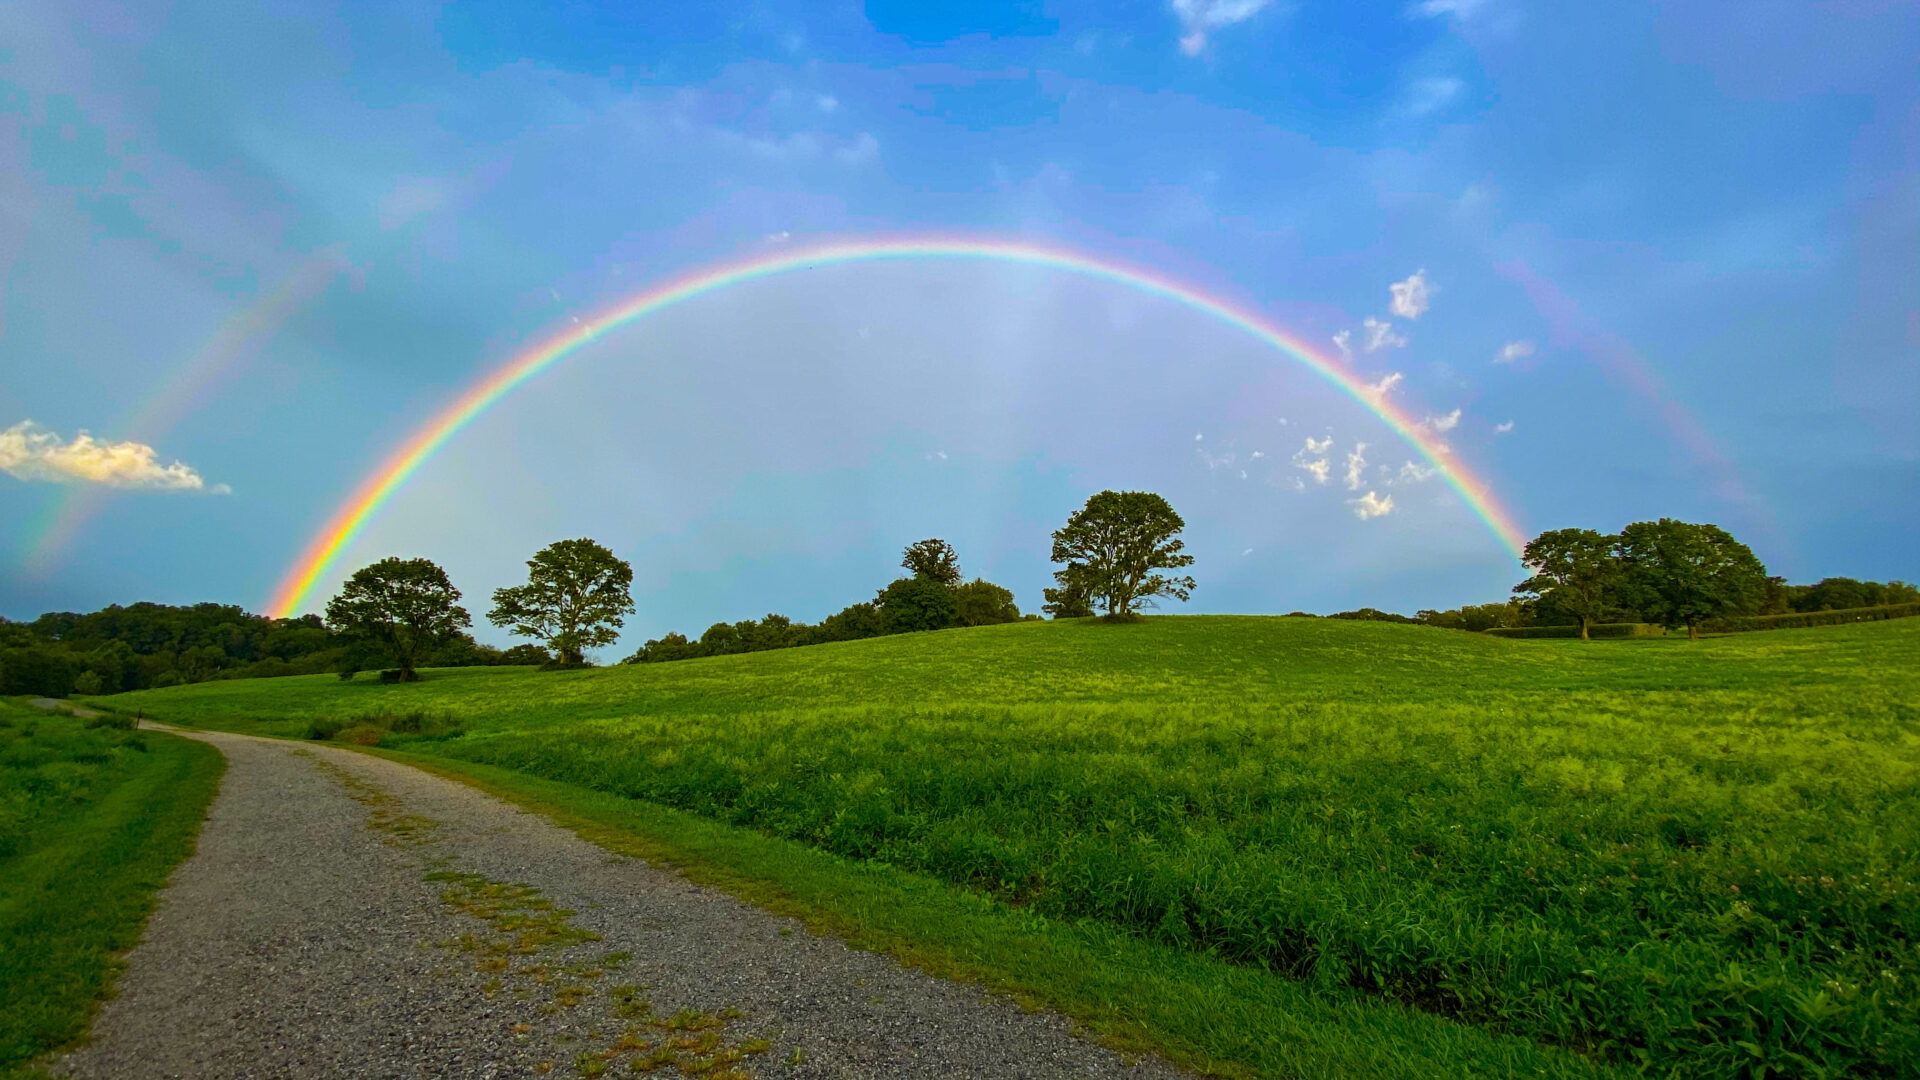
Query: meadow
(92,820)
(1691,859)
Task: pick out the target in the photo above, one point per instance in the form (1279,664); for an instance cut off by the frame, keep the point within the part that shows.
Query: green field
(92,820)
(1691,859)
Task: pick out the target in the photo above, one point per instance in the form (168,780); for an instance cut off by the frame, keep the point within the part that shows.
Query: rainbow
(373,492)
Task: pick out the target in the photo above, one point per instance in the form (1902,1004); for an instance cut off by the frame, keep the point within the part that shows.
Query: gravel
(305,938)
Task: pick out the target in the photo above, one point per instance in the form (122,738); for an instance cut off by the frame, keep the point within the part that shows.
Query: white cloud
(1371,505)
(1312,459)
(1502,429)
(1356,466)
(1431,95)
(1513,350)
(1414,473)
(1344,342)
(1412,297)
(780,237)
(1442,9)
(1443,423)
(30,452)
(827,102)
(1247,552)
(1256,456)
(1198,18)
(1380,335)
(1385,386)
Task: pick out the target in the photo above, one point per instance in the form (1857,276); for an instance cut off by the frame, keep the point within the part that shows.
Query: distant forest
(149,645)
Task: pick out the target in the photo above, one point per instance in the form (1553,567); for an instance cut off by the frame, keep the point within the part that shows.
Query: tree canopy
(576,596)
(1680,574)
(1114,548)
(934,560)
(1575,571)
(404,607)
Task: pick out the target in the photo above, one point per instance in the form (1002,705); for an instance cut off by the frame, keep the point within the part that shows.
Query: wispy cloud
(1385,386)
(1378,334)
(1199,18)
(1513,350)
(1502,429)
(1427,96)
(1371,505)
(1448,9)
(1443,423)
(1413,473)
(1356,466)
(30,452)
(1412,297)
(1344,342)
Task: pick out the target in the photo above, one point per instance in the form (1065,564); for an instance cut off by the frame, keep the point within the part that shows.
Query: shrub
(1799,619)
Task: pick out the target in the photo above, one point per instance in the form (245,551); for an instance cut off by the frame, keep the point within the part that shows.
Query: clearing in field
(1694,859)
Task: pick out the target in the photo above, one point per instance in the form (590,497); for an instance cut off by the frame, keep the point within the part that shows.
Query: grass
(92,821)
(1408,851)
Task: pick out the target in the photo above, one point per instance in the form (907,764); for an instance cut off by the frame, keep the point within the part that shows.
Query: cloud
(1385,386)
(1414,473)
(827,102)
(1431,95)
(1445,9)
(1443,423)
(1312,459)
(1380,335)
(1502,429)
(1198,18)
(1412,297)
(1371,505)
(30,452)
(863,149)
(1513,350)
(1344,342)
(780,237)
(1356,466)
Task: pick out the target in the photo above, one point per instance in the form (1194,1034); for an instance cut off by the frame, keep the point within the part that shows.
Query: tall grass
(1698,859)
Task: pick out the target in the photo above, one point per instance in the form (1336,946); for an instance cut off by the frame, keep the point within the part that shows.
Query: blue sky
(1666,252)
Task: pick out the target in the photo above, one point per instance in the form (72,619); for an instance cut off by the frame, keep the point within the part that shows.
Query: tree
(982,603)
(1680,574)
(916,603)
(574,599)
(933,560)
(1113,548)
(406,607)
(1574,571)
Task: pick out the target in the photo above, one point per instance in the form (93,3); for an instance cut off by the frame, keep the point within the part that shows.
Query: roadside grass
(93,819)
(1689,858)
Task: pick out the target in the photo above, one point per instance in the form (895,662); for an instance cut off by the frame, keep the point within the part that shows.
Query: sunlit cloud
(1312,459)
(1443,423)
(1344,342)
(1356,466)
(1371,505)
(1412,297)
(1379,335)
(1513,350)
(30,452)
(1381,389)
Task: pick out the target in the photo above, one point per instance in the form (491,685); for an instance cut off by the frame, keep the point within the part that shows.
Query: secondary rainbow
(373,492)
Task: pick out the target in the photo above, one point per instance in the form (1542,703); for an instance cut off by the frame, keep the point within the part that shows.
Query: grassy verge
(94,820)
(1196,1010)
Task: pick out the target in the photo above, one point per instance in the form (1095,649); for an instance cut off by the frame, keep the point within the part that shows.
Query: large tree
(1575,571)
(1681,574)
(933,559)
(576,595)
(404,607)
(1115,547)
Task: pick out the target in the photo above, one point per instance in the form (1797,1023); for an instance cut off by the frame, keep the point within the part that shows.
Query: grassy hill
(1694,858)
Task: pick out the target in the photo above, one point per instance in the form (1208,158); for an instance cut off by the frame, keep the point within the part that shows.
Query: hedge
(1794,620)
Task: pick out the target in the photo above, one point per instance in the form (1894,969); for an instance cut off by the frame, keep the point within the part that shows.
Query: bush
(368,729)
(1799,619)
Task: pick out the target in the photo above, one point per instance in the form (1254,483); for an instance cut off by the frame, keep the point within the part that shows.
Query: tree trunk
(1583,629)
(1693,632)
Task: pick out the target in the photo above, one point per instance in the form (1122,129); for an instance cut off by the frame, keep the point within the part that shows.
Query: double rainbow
(372,493)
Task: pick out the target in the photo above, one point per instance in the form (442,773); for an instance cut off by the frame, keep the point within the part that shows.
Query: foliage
(92,819)
(1478,617)
(1794,620)
(913,604)
(933,560)
(1835,594)
(982,603)
(1069,600)
(1692,860)
(1113,548)
(1679,574)
(576,595)
(1570,630)
(1575,571)
(405,607)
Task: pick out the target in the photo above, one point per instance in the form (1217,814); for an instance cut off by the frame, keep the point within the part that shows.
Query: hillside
(1695,855)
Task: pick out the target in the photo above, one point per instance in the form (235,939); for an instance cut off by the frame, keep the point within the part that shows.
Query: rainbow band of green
(377,488)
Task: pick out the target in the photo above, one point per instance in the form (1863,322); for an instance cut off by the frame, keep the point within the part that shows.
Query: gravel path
(347,916)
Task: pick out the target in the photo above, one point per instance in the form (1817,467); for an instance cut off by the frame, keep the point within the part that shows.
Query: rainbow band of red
(376,489)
